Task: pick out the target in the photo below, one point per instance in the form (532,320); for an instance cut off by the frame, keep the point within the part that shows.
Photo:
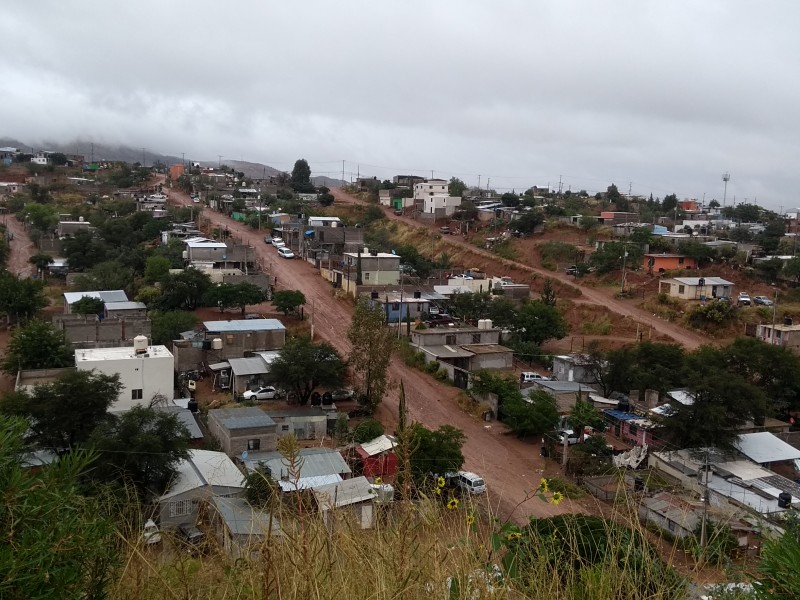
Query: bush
(432,367)
(715,312)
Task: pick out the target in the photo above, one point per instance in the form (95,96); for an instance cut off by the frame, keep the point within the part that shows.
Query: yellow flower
(543,485)
(440,482)
(438,491)
(452,504)
(378,481)
(513,536)
(470,519)
(557,498)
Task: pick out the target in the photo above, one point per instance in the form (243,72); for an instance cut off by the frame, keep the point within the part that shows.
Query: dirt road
(511,467)
(22,248)
(598,296)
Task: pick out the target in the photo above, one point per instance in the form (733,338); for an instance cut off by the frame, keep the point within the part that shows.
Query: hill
(91,149)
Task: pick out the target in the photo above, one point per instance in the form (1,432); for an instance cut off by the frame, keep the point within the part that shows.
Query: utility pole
(726,177)
(703,540)
(630,187)
(183,159)
(431,173)
(624,261)
(488,181)
(144,160)
(774,309)
(343,181)
(219,161)
(312,320)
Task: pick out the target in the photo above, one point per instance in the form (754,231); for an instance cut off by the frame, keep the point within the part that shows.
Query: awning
(220,366)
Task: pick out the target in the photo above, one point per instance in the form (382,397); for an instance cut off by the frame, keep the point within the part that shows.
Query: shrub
(715,312)
(432,367)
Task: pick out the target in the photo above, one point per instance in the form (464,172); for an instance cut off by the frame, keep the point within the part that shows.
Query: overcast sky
(659,96)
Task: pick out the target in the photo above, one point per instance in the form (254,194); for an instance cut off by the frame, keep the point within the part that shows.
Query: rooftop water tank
(216,344)
(140,344)
(487,324)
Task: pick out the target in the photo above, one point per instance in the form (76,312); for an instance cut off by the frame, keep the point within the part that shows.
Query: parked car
(572,437)
(763,301)
(572,270)
(469,482)
(284,252)
(151,534)
(531,376)
(342,394)
(444,230)
(744,299)
(278,242)
(398,212)
(191,536)
(268,239)
(440,319)
(263,393)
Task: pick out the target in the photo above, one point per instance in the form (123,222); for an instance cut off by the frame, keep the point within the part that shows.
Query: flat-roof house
(564,392)
(696,288)
(71,298)
(325,222)
(200,477)
(243,429)
(660,263)
(245,335)
(121,310)
(144,371)
(240,528)
(780,334)
(574,367)
(378,269)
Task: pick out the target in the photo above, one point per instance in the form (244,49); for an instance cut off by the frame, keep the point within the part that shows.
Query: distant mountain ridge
(127,154)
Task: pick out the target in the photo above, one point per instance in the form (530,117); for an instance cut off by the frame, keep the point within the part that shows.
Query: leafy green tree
(611,256)
(172,250)
(107,275)
(646,365)
(63,414)
(372,345)
(288,301)
(183,291)
(548,295)
(584,415)
(698,251)
(669,203)
(238,295)
(37,345)
(259,488)
(528,222)
(770,269)
(470,306)
(437,451)
(326,199)
(142,446)
(778,576)
(538,322)
(83,250)
(301,175)
(56,544)
(533,416)
(167,326)
(715,312)
(42,217)
(302,366)
(502,312)
(20,298)
(156,268)
(792,268)
(510,199)
(88,306)
(588,222)
(367,430)
(456,187)
(41,261)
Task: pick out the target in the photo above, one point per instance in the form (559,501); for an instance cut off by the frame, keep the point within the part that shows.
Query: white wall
(448,203)
(153,375)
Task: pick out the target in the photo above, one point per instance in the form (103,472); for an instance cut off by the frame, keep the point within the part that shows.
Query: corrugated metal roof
(244,325)
(446,351)
(242,519)
(380,444)
(241,418)
(763,447)
(315,462)
(105,296)
(186,417)
(254,365)
(307,483)
(125,305)
(565,386)
(696,281)
(204,468)
(344,493)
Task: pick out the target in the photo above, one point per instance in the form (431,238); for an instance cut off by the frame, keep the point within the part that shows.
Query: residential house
(350,499)
(7,155)
(125,310)
(199,478)
(305,422)
(187,419)
(41,158)
(660,263)
(176,170)
(631,428)
(765,448)
(145,372)
(377,457)
(8,188)
(432,199)
(325,222)
(316,466)
(784,334)
(461,350)
(407,180)
(671,513)
(400,306)
(564,392)
(248,373)
(28,379)
(90,331)
(241,529)
(71,298)
(696,288)
(611,217)
(70,228)
(574,367)
(377,269)
(245,429)
(245,335)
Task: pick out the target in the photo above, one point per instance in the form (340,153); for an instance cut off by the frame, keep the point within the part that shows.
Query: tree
(372,345)
(770,269)
(156,268)
(548,295)
(142,446)
(20,298)
(792,268)
(288,301)
(59,159)
(83,251)
(41,261)
(42,217)
(528,222)
(533,416)
(646,365)
(470,306)
(239,295)
(698,251)
(56,543)
(778,577)
(301,175)
(302,366)
(510,199)
(456,187)
(538,322)
(713,204)
(584,415)
(435,452)
(185,290)
(63,414)
(669,203)
(611,255)
(88,305)
(502,312)
(167,326)
(367,430)
(259,488)
(37,345)
(107,275)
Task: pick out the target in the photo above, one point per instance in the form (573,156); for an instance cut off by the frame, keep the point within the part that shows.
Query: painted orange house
(689,205)
(176,171)
(659,263)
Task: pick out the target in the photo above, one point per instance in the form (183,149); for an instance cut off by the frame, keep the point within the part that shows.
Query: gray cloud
(661,96)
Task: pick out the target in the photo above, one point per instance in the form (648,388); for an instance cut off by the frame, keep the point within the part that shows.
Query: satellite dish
(244,455)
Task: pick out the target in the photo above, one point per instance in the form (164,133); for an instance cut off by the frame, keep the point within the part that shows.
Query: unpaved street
(511,467)
(21,248)
(598,296)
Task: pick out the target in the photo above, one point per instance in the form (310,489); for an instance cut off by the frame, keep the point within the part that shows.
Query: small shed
(349,499)
(696,288)
(564,392)
(240,528)
(670,513)
(305,423)
(248,373)
(377,458)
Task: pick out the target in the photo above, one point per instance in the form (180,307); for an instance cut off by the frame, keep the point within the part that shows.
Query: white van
(531,377)
(470,482)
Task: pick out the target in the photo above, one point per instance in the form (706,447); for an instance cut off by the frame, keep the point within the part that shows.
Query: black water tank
(327,399)
(417,294)
(192,405)
(784,500)
(316,399)
(374,295)
(787,320)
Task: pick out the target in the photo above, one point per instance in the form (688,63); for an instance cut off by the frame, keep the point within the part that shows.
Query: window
(366,276)
(633,430)
(180,508)
(680,260)
(136,394)
(395,306)
(450,340)
(476,338)
(284,428)
(681,289)
(254,444)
